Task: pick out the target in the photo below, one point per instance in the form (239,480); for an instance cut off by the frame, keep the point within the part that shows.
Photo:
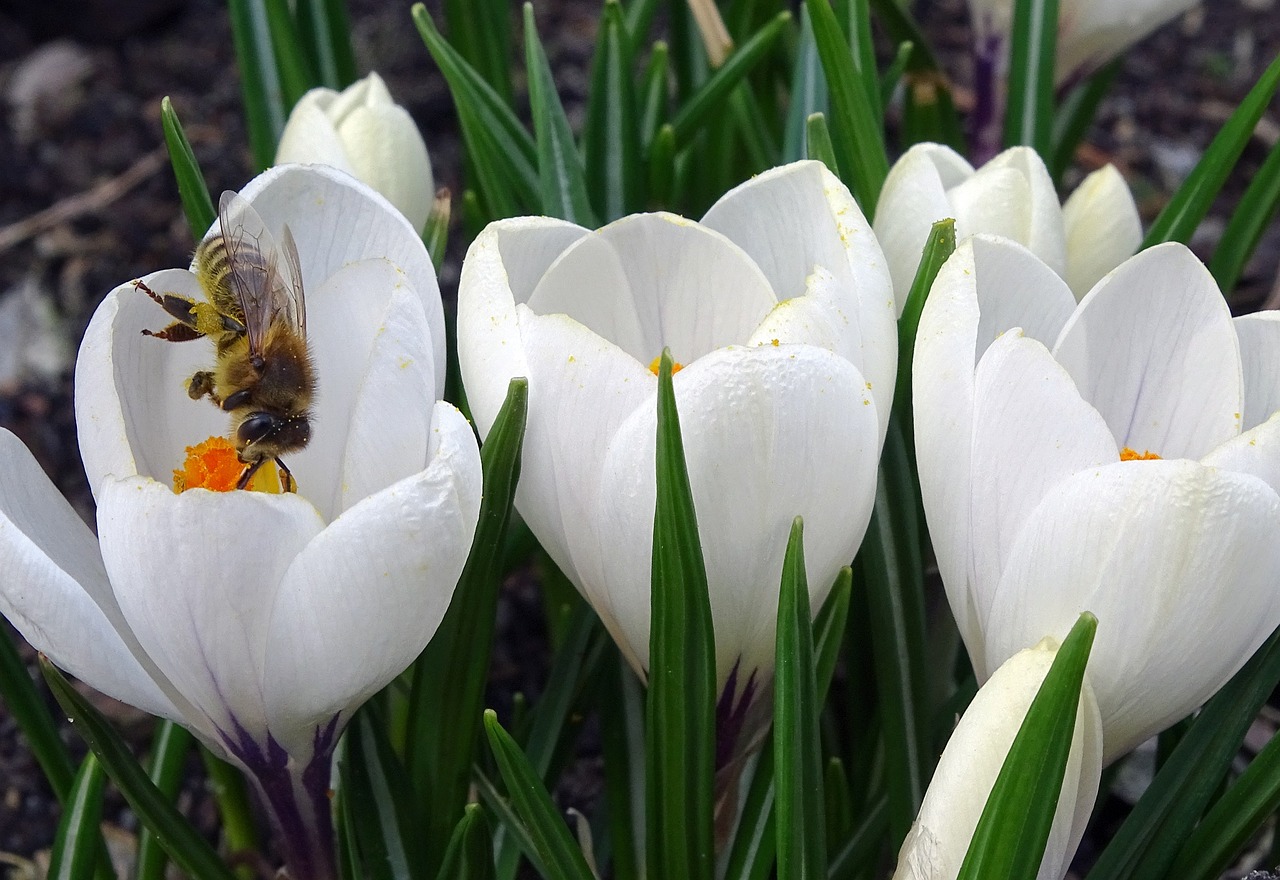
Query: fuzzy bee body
(255,314)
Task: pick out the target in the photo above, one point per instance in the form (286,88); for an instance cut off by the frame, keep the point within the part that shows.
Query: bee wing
(266,290)
(291,275)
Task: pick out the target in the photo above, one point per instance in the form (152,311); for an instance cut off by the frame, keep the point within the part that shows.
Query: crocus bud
(363,132)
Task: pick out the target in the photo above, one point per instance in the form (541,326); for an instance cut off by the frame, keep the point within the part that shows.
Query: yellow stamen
(213,465)
(1128,454)
(657,362)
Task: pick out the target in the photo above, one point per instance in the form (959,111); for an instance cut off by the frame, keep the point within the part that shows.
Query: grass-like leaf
(292,63)
(558,852)
(192,189)
(481,32)
(326,28)
(1033,45)
(808,93)
(654,94)
(1252,216)
(680,734)
(470,852)
(797,757)
(78,844)
(186,847)
(259,78)
(611,140)
(1075,116)
(1010,838)
(23,703)
(939,246)
(1191,203)
(445,710)
(169,747)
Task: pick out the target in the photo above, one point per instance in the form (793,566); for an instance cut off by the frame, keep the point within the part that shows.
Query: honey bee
(256,316)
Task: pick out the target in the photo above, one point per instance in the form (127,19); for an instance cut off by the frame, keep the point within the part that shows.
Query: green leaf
(622,743)
(504,153)
(655,95)
(1033,46)
(808,94)
(292,64)
(639,17)
(470,852)
(23,703)
(169,747)
(892,76)
(1011,835)
(435,235)
(939,246)
(564,187)
(857,23)
(445,710)
(662,167)
(680,722)
(611,138)
(186,847)
(1076,114)
(861,849)
(1253,214)
(839,807)
(509,824)
(196,202)
(797,757)
(326,28)
(239,828)
(855,131)
(259,78)
(1160,823)
(818,140)
(697,111)
(1191,203)
(78,843)
(557,850)
(480,30)
(381,803)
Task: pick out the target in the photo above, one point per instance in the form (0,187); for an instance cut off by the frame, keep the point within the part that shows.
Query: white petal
(1152,347)
(1092,32)
(1178,562)
(1031,431)
(938,841)
(914,197)
(1256,451)
(1014,197)
(650,281)
(1259,336)
(769,434)
(196,576)
(133,413)
(337,220)
(360,602)
(1103,228)
(388,153)
(55,588)
(309,136)
(502,267)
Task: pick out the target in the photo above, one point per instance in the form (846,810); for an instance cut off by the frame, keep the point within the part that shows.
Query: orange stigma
(1128,454)
(657,362)
(213,465)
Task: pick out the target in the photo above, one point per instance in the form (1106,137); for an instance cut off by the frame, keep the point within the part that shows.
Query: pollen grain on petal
(1128,454)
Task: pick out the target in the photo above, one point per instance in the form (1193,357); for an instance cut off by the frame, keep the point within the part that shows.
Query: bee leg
(175,332)
(287,482)
(185,310)
(247,474)
(201,385)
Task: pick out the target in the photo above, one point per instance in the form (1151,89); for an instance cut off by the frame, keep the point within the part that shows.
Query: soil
(87,201)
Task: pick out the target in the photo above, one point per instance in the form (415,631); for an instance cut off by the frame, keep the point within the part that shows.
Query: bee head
(272,434)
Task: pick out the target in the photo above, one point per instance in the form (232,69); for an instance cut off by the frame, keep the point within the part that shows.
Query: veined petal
(502,267)
(650,281)
(1259,336)
(1256,451)
(769,434)
(936,845)
(388,153)
(195,575)
(1102,226)
(133,414)
(1031,431)
(914,197)
(337,220)
(55,588)
(581,389)
(381,574)
(1013,196)
(1178,562)
(1153,348)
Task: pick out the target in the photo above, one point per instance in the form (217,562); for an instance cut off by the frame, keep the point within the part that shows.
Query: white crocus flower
(1090,32)
(258,621)
(1029,411)
(1013,196)
(365,133)
(935,847)
(778,305)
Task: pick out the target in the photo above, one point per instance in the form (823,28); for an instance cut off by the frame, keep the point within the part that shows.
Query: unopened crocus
(778,307)
(365,133)
(1119,456)
(260,621)
(935,847)
(1013,196)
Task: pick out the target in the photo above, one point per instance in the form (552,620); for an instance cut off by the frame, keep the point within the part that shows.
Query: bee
(256,316)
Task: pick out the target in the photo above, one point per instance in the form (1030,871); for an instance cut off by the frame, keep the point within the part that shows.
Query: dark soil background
(87,201)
